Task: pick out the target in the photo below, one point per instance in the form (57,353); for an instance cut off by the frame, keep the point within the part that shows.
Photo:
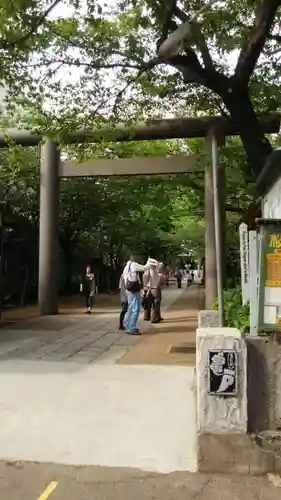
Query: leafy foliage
(69,64)
(237,315)
(101,60)
(101,220)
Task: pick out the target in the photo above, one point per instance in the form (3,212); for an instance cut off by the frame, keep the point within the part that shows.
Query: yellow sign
(275,241)
(272,283)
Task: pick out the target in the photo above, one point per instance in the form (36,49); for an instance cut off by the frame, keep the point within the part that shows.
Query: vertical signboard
(270,277)
(253,281)
(244,262)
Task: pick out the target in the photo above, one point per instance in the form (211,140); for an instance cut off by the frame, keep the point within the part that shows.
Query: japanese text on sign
(273,260)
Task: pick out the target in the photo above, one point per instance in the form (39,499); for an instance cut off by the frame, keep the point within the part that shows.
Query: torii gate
(52,169)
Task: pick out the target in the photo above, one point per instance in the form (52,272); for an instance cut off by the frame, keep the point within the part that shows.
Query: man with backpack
(133,285)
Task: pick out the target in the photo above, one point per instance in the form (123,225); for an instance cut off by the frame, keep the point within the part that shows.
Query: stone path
(65,400)
(172,342)
(59,404)
(21,481)
(78,339)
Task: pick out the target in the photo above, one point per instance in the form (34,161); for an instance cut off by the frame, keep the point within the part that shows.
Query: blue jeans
(132,315)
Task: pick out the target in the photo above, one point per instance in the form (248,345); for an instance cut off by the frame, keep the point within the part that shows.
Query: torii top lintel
(174,128)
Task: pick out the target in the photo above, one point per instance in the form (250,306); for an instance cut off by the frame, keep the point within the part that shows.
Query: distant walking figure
(89,288)
(178,276)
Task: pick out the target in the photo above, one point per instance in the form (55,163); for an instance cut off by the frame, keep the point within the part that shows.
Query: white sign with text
(244,261)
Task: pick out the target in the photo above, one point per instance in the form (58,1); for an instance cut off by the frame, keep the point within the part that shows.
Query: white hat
(152,262)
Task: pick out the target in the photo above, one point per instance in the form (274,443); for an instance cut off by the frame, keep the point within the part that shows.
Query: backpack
(132,286)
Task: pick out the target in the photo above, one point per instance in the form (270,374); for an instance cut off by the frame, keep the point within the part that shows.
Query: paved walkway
(64,399)
(173,341)
(81,408)
(75,338)
(29,481)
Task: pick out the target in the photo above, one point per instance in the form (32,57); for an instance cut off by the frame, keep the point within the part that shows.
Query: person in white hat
(132,283)
(152,290)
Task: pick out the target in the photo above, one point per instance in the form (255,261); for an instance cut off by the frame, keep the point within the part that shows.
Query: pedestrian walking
(89,288)
(178,276)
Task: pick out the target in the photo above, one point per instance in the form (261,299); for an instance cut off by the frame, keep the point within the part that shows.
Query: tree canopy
(78,64)
(81,60)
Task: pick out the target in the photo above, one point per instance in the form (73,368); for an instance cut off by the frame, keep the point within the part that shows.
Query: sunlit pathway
(78,339)
(64,400)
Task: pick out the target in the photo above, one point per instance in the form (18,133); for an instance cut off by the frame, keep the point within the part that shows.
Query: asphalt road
(26,481)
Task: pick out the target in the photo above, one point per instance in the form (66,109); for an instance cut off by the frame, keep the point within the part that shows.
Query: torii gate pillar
(211,271)
(49,230)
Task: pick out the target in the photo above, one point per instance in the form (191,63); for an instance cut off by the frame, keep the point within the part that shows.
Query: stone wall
(237,435)
(264,383)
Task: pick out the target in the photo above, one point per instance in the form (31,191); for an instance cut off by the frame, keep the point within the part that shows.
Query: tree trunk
(256,145)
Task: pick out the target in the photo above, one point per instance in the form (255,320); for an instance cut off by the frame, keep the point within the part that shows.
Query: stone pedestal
(221,414)
(226,424)
(208,318)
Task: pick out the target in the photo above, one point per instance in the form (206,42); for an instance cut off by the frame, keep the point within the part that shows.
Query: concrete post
(49,229)
(222,200)
(211,289)
(222,418)
(210,244)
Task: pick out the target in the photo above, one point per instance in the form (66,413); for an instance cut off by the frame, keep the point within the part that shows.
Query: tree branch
(170,10)
(189,66)
(253,47)
(143,66)
(193,72)
(206,56)
(236,210)
(276,38)
(94,65)
(35,26)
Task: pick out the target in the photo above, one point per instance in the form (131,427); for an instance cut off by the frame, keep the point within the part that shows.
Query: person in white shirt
(152,288)
(133,290)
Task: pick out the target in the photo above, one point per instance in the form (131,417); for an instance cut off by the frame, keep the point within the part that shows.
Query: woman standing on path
(89,288)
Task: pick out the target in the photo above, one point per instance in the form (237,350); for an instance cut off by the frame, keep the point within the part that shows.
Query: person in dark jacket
(89,288)
(124,302)
(178,276)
